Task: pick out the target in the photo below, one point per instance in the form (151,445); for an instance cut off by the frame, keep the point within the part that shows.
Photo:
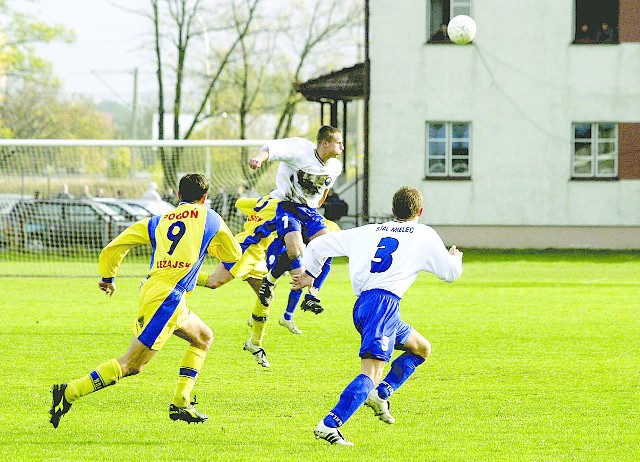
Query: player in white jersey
(305,175)
(384,260)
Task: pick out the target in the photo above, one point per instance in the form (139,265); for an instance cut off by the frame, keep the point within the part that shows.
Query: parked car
(151,206)
(47,224)
(7,204)
(131,212)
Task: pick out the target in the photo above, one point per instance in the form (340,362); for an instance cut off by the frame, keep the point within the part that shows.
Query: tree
(310,33)
(19,61)
(252,42)
(36,110)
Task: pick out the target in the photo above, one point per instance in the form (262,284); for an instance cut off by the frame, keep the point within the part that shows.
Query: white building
(522,138)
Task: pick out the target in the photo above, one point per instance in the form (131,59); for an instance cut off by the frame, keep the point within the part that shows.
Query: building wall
(521,84)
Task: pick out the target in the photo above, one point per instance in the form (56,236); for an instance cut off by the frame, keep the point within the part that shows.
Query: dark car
(48,224)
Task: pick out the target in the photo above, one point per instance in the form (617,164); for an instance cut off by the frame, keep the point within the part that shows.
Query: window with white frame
(595,150)
(448,150)
(439,12)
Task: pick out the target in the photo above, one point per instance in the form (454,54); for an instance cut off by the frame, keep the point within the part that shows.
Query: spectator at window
(584,35)
(441,36)
(605,34)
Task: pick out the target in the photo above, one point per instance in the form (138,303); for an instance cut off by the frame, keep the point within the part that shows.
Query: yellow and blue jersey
(179,239)
(257,234)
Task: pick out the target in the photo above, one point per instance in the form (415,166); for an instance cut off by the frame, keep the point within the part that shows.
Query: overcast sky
(110,44)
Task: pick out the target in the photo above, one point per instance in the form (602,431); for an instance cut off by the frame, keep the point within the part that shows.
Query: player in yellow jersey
(257,235)
(180,239)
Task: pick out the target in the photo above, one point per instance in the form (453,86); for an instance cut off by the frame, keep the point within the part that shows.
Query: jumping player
(305,175)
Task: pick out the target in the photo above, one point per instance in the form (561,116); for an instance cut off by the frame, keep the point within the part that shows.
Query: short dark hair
(193,186)
(407,202)
(326,133)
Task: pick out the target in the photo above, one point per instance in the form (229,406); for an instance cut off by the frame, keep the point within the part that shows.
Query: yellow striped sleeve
(112,255)
(224,245)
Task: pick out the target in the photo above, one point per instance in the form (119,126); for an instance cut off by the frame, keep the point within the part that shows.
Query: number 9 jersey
(179,239)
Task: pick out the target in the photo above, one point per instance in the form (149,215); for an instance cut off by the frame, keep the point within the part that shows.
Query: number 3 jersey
(179,239)
(302,176)
(385,256)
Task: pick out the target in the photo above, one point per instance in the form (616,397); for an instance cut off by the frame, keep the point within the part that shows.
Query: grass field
(536,357)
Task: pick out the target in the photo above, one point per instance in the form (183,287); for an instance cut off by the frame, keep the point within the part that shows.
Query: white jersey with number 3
(385,256)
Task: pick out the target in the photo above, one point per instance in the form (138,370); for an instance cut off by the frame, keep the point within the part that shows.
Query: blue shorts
(376,316)
(295,217)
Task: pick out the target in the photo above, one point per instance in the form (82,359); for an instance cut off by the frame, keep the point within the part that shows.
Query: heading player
(384,260)
(304,177)
(180,240)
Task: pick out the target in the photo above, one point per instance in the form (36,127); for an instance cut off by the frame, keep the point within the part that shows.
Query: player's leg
(311,300)
(259,318)
(417,349)
(200,338)
(104,375)
(375,314)
(316,226)
(289,229)
(148,339)
(352,397)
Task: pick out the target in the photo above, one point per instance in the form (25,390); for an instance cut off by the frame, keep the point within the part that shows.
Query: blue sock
(401,369)
(292,303)
(350,400)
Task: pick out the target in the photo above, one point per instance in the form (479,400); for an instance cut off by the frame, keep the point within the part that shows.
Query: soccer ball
(461,29)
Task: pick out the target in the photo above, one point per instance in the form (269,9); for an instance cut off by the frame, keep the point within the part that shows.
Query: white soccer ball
(461,29)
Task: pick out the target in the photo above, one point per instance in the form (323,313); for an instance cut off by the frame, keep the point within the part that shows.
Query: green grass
(535,358)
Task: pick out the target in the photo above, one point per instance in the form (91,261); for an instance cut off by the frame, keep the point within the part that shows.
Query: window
(448,150)
(595,150)
(596,22)
(439,12)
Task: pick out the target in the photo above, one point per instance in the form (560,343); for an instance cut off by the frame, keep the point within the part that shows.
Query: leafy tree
(21,33)
(19,62)
(36,110)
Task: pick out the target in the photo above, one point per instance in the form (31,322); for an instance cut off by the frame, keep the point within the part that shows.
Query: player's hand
(300,281)
(454,251)
(255,163)
(107,287)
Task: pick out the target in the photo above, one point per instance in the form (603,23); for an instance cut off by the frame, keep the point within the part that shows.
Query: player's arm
(247,204)
(256,161)
(317,251)
(224,246)
(445,264)
(112,255)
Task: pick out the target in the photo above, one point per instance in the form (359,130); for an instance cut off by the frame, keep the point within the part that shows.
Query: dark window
(439,12)
(596,22)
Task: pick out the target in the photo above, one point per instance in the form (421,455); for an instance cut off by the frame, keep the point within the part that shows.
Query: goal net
(61,201)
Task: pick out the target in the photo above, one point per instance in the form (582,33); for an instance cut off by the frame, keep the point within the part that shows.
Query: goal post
(62,200)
